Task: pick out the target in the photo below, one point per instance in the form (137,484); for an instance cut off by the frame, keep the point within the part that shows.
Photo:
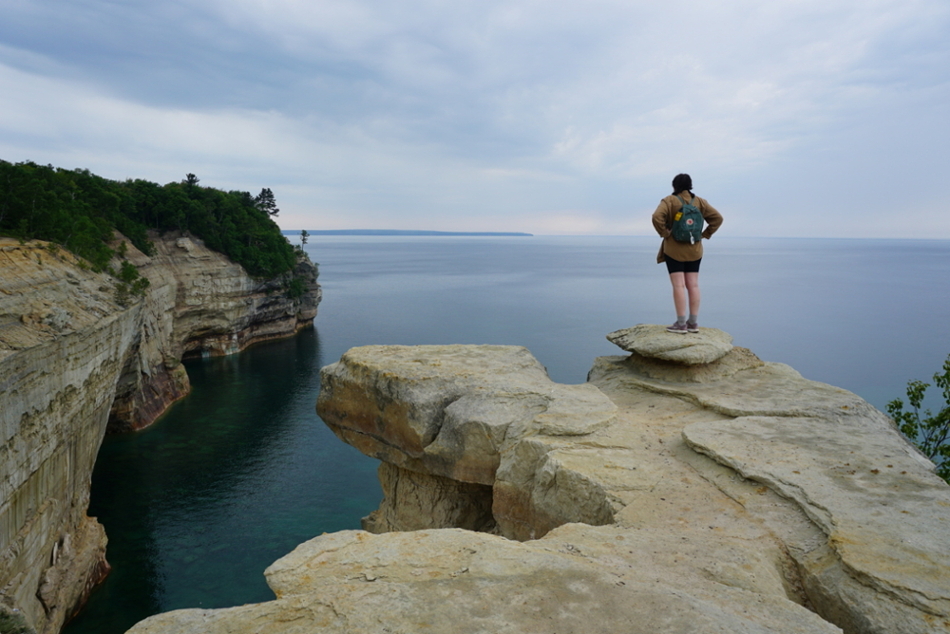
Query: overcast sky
(794,117)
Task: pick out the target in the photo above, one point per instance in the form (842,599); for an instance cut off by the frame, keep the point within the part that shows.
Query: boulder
(729,364)
(450,410)
(653,341)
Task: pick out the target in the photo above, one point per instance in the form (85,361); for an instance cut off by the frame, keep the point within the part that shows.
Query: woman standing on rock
(679,221)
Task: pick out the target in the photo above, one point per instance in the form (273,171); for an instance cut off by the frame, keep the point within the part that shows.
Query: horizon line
(402,232)
(422,232)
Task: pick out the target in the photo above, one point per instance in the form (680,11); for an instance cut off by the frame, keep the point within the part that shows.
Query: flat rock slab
(885,514)
(457,581)
(695,348)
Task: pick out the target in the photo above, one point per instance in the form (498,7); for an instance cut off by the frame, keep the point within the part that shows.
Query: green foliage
(296,288)
(13,621)
(69,208)
(930,433)
(266,202)
(80,211)
(131,284)
(128,273)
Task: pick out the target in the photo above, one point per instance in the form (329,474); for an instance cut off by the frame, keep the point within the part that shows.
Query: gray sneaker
(678,328)
(692,327)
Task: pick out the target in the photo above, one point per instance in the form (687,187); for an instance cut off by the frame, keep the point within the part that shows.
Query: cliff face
(199,303)
(688,487)
(71,359)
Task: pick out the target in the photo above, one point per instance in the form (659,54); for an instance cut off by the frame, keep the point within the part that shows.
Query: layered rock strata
(71,357)
(63,344)
(452,411)
(711,492)
(200,303)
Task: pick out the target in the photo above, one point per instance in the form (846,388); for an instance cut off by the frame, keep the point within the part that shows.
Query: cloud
(464,114)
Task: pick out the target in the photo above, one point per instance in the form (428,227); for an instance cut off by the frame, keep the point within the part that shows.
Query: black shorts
(675,266)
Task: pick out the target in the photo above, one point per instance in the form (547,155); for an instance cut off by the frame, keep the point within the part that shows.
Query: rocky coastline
(687,487)
(76,359)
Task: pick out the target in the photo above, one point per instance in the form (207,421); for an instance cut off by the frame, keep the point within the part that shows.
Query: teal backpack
(688,223)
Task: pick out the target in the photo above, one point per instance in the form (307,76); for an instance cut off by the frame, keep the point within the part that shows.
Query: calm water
(236,475)
(242,470)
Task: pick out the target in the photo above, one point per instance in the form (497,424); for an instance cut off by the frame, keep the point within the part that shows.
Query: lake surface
(242,470)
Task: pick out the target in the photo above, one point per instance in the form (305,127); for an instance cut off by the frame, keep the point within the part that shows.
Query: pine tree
(266,202)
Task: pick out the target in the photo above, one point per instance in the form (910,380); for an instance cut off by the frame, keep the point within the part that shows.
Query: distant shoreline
(400,232)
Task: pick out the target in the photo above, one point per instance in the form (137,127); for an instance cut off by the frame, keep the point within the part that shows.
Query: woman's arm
(712,217)
(661,218)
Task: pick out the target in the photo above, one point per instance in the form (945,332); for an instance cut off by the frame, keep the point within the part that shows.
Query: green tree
(930,432)
(79,211)
(131,284)
(266,202)
(303,237)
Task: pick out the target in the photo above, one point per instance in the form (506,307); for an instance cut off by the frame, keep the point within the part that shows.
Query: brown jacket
(663,223)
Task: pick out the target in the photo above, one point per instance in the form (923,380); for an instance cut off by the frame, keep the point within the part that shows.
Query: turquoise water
(234,477)
(242,470)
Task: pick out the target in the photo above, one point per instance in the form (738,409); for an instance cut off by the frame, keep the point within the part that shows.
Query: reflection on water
(232,478)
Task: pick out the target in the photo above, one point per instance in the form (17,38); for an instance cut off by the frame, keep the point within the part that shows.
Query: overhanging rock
(485,415)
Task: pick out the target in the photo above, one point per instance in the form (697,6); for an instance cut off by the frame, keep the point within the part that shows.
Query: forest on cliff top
(81,211)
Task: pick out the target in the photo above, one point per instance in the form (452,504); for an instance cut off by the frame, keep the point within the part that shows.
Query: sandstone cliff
(199,303)
(688,487)
(71,359)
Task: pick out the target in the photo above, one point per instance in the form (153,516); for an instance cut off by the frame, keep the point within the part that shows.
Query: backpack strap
(691,202)
(673,216)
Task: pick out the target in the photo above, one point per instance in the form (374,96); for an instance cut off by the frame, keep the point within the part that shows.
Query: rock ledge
(727,495)
(656,342)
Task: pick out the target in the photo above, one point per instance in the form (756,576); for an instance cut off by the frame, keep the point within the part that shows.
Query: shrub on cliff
(80,211)
(930,433)
(130,285)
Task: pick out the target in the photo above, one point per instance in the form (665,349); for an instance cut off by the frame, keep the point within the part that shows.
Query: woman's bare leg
(678,280)
(692,289)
